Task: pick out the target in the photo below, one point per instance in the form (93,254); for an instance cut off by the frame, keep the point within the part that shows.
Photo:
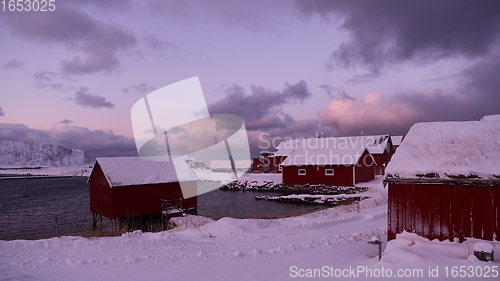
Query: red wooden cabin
(444,182)
(336,166)
(267,162)
(131,186)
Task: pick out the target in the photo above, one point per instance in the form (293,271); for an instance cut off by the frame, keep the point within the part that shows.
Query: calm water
(29,207)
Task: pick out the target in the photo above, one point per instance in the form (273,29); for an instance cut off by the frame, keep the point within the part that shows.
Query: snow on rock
(484,247)
(331,200)
(15,154)
(209,175)
(448,150)
(188,221)
(495,117)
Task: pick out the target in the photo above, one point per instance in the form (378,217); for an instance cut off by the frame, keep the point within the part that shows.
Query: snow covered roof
(495,117)
(125,171)
(314,157)
(448,150)
(376,144)
(396,140)
(226,164)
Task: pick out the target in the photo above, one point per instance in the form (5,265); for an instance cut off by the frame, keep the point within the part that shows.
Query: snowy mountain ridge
(32,154)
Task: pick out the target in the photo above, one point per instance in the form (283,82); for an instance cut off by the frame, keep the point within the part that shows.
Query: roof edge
(482,182)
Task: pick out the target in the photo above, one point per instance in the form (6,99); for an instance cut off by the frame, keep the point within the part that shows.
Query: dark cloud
(44,80)
(261,107)
(329,89)
(392,31)
(482,81)
(2,113)
(364,78)
(265,122)
(141,88)
(84,98)
(14,64)
(65,121)
(97,143)
(68,25)
(160,45)
(94,62)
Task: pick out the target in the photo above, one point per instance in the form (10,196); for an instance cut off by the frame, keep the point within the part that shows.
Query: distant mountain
(32,154)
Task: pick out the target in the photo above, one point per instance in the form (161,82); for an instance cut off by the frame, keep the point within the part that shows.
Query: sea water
(29,207)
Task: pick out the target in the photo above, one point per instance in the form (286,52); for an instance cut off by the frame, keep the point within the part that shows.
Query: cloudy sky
(289,68)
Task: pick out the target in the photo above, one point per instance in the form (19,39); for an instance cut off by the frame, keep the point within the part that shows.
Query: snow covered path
(222,250)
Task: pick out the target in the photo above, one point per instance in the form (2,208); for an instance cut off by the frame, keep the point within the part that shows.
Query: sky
(289,68)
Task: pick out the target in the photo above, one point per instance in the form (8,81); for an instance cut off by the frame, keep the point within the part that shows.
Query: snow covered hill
(30,154)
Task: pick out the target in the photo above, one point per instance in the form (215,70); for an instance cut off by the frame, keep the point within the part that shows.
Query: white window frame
(327,174)
(304,172)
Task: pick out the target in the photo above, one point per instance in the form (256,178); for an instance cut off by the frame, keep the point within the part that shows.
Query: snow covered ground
(327,243)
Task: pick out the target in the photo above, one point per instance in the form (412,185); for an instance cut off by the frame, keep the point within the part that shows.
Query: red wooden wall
(365,168)
(444,211)
(316,175)
(343,175)
(135,200)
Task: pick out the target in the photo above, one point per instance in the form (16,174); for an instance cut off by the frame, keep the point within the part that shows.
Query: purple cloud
(65,121)
(74,28)
(141,88)
(85,99)
(160,45)
(14,64)
(261,108)
(2,113)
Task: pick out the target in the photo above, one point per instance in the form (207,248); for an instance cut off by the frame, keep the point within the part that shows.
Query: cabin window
(302,172)
(328,172)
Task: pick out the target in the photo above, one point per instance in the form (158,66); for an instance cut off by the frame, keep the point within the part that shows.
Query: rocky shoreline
(292,188)
(311,199)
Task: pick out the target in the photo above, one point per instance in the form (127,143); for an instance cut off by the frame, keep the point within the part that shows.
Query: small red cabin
(131,186)
(267,162)
(444,182)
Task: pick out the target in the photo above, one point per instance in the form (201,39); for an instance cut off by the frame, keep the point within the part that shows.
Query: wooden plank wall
(443,211)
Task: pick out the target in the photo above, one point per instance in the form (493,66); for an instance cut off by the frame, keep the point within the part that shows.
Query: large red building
(444,181)
(131,186)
